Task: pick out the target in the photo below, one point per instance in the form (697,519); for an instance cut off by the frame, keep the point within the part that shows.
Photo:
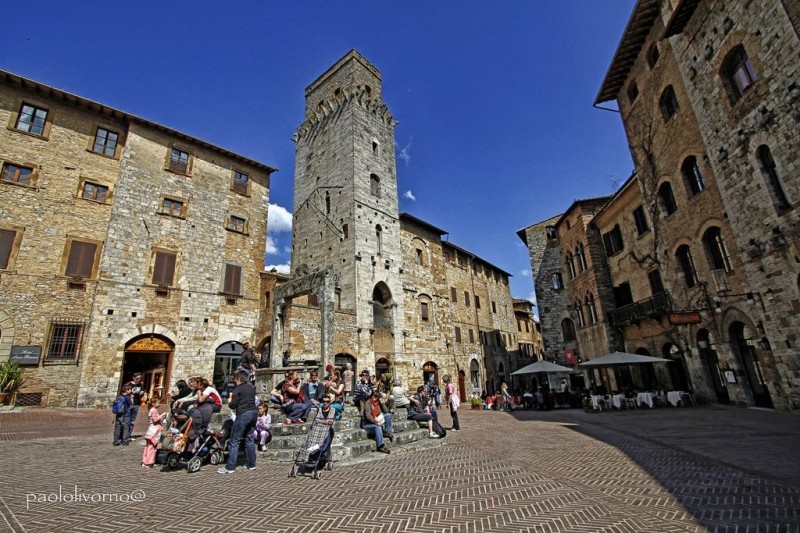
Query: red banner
(569,356)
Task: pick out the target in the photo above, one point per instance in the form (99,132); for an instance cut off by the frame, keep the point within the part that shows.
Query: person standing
(452,400)
(137,395)
(248,361)
(347,379)
(122,426)
(153,433)
(243,403)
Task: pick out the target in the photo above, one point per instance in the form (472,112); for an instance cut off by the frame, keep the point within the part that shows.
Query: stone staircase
(350,443)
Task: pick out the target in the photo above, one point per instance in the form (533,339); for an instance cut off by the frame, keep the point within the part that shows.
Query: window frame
(58,331)
(238,186)
(736,69)
(775,185)
(235,227)
(692,176)
(640,221)
(686,263)
(667,203)
(170,213)
(174,166)
(170,256)
(32,176)
(14,120)
(117,143)
(717,252)
(12,246)
(424,311)
(69,260)
(97,185)
(231,273)
(375,185)
(668,103)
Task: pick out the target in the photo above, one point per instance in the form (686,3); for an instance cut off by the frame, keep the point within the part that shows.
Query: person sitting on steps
(377,421)
(419,411)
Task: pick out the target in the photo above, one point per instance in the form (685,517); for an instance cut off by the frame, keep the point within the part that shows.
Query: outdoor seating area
(641,400)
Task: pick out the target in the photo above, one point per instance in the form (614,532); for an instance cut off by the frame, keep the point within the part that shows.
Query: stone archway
(742,344)
(151,355)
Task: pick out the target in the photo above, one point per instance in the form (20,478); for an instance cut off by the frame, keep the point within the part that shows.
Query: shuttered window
(6,244)
(233,279)
(164,268)
(81,259)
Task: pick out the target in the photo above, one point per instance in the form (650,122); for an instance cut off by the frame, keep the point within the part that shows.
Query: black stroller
(175,448)
(315,453)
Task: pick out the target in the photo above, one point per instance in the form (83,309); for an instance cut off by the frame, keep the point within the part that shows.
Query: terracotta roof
(637,30)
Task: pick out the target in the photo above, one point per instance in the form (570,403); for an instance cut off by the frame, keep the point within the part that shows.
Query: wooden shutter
(164,268)
(453,295)
(233,279)
(6,243)
(81,259)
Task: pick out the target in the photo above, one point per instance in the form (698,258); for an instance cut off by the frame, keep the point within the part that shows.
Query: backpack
(119,406)
(438,429)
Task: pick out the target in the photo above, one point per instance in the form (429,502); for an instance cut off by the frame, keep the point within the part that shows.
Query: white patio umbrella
(622,358)
(542,366)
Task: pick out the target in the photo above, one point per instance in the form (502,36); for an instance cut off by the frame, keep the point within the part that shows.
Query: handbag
(380,420)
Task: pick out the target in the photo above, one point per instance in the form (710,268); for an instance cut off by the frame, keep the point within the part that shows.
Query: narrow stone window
(692,175)
(738,74)
(668,103)
(775,186)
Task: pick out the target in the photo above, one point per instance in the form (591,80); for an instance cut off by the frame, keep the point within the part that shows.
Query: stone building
(702,242)
(369,285)
(126,247)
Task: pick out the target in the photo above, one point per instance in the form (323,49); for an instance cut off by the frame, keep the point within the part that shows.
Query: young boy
(122,420)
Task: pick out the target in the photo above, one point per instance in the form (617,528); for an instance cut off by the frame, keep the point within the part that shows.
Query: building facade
(126,247)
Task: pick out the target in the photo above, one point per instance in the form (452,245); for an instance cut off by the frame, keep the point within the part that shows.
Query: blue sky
(494,99)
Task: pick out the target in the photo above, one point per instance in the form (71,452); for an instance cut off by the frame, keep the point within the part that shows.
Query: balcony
(655,306)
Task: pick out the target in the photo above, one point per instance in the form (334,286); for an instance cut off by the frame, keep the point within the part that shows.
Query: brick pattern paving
(503,472)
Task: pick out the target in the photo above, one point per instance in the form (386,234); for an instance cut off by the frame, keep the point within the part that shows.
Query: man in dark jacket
(243,403)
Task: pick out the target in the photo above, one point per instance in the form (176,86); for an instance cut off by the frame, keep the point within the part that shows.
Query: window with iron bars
(64,344)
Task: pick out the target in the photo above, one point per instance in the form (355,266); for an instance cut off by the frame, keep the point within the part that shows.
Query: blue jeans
(134,412)
(243,426)
(378,430)
(300,410)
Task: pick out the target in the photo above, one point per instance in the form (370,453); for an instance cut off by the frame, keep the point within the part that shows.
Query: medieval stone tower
(345,201)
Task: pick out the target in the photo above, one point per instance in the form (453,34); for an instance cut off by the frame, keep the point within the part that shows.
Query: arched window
(579,312)
(684,257)
(592,309)
(691,173)
(424,309)
(777,191)
(568,330)
(379,239)
(668,103)
(581,257)
(718,258)
(653,55)
(375,185)
(667,199)
(738,75)
(555,281)
(570,265)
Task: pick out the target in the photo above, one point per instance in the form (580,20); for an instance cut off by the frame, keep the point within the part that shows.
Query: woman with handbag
(377,420)
(452,400)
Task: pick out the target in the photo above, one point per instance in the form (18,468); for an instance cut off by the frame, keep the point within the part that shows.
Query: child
(262,432)
(347,378)
(122,420)
(153,433)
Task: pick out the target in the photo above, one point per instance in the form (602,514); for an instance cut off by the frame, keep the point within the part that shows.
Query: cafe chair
(687,398)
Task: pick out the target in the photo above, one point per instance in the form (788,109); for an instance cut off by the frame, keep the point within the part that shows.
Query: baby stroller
(315,453)
(176,448)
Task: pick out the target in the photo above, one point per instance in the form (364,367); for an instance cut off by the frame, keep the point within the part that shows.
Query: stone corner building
(125,246)
(702,244)
(372,286)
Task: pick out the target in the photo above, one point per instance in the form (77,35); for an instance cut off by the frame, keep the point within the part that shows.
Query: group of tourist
(378,400)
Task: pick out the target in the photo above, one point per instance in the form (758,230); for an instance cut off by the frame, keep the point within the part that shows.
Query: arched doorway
(475,375)
(150,355)
(677,370)
(226,360)
(742,342)
(706,347)
(430,373)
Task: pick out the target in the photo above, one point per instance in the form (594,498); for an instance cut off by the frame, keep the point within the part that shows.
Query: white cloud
(279,220)
(405,153)
(283,269)
(272,247)
(531,297)
(525,272)
(408,195)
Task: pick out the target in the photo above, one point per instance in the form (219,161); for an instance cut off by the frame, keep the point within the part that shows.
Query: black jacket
(243,399)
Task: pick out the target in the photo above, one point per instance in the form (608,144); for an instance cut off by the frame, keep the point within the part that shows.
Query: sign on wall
(26,355)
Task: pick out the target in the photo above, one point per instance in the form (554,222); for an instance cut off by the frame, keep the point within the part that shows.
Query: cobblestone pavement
(693,469)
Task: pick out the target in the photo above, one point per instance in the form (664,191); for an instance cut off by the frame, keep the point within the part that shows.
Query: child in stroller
(182,444)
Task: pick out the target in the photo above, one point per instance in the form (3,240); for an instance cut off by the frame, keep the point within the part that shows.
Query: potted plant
(10,379)
(476,403)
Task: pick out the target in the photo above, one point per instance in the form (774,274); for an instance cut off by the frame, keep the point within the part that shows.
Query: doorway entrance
(742,344)
(151,356)
(226,361)
(430,373)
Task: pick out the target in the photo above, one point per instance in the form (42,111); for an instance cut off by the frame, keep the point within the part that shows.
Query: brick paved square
(660,470)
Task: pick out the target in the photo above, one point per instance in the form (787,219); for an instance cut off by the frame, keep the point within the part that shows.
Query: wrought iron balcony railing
(657,305)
